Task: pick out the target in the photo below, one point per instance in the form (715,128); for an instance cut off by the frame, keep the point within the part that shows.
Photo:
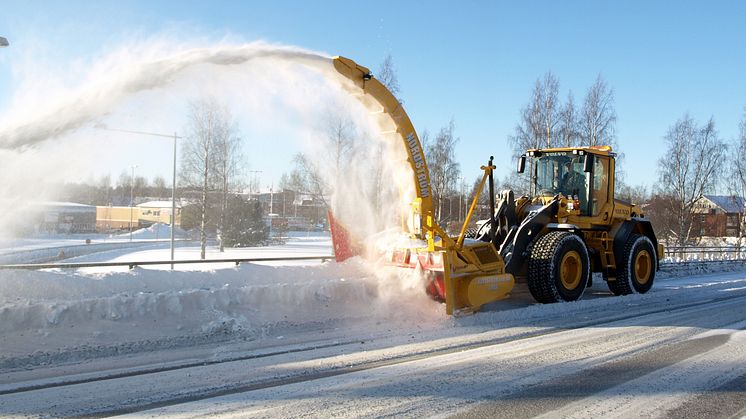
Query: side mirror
(588,163)
(522,164)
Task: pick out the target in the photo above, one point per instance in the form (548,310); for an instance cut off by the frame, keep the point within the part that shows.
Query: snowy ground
(323,339)
(51,248)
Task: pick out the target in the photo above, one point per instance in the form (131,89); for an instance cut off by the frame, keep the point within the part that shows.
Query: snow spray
(49,133)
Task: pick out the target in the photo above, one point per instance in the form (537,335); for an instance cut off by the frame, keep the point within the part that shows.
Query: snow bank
(157,231)
(62,312)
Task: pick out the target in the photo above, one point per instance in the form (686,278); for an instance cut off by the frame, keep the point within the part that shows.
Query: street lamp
(173,182)
(4,42)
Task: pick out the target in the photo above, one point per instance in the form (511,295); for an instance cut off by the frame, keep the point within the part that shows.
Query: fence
(49,254)
(133,264)
(703,253)
(674,255)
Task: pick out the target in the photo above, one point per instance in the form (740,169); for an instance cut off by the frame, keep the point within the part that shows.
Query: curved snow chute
(379,100)
(464,277)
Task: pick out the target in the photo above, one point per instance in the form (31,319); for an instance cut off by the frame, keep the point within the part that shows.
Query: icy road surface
(348,340)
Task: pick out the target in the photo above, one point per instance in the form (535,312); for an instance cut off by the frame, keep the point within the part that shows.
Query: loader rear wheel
(558,268)
(637,264)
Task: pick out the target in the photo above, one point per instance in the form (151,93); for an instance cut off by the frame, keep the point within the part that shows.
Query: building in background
(111,218)
(64,217)
(719,216)
(152,212)
(292,210)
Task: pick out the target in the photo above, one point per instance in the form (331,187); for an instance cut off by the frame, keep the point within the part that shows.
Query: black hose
(493,222)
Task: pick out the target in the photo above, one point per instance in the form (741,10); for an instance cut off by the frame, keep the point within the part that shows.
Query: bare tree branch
(689,168)
(205,153)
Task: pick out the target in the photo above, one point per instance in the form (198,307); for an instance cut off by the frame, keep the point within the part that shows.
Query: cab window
(600,184)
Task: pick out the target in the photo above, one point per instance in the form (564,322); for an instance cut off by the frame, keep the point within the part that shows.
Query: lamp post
(271,198)
(173,181)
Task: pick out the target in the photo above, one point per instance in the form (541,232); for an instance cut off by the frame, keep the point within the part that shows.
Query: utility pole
(173,204)
(271,198)
(173,180)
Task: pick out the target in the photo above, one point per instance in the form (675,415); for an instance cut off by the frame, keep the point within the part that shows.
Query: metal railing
(54,253)
(704,253)
(674,255)
(134,264)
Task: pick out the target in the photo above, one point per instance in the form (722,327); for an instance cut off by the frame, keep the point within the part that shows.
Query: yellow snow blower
(553,240)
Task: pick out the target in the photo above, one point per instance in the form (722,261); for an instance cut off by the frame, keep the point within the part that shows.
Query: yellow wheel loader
(553,240)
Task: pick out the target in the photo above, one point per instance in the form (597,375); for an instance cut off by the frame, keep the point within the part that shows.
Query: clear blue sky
(473,61)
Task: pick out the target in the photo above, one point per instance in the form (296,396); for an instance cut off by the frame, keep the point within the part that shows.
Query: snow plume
(362,164)
(123,74)
(51,132)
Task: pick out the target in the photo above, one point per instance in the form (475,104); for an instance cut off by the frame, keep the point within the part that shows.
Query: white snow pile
(157,231)
(45,316)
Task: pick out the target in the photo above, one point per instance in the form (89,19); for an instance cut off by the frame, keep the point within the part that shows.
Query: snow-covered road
(587,365)
(336,340)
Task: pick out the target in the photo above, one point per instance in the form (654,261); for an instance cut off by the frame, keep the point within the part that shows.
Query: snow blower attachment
(553,240)
(463,275)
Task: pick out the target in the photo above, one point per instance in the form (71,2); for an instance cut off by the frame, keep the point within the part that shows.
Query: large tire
(635,267)
(558,268)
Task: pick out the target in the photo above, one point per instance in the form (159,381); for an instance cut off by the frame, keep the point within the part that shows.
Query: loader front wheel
(636,270)
(558,267)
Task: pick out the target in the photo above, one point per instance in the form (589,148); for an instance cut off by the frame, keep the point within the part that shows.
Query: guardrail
(673,256)
(133,264)
(669,264)
(693,253)
(51,254)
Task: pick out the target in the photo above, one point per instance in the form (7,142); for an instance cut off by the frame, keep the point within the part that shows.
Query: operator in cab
(573,183)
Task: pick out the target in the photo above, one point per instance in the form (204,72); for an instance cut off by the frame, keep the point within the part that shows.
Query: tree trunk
(203,224)
(224,207)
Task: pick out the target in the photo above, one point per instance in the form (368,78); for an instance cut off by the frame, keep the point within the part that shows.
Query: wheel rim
(643,267)
(571,270)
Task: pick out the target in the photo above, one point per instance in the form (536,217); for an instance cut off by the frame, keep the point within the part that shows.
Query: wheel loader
(553,240)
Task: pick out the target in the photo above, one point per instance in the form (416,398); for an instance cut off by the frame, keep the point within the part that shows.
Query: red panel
(343,246)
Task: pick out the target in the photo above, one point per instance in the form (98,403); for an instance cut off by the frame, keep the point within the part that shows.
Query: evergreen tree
(245,225)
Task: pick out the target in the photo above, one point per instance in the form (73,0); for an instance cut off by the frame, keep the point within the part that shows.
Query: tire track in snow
(365,366)
(553,394)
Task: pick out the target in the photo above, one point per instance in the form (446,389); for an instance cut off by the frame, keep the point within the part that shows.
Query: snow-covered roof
(64,204)
(64,207)
(728,203)
(158,204)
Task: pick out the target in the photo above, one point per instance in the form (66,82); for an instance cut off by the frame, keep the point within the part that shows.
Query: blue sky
(473,61)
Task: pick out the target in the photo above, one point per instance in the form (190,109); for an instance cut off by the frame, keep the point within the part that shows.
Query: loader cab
(573,173)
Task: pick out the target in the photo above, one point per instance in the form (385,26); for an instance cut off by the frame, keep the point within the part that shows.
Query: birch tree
(568,133)
(539,123)
(209,126)
(689,168)
(227,170)
(539,118)
(738,161)
(598,117)
(320,173)
(444,170)
(737,185)
(387,75)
